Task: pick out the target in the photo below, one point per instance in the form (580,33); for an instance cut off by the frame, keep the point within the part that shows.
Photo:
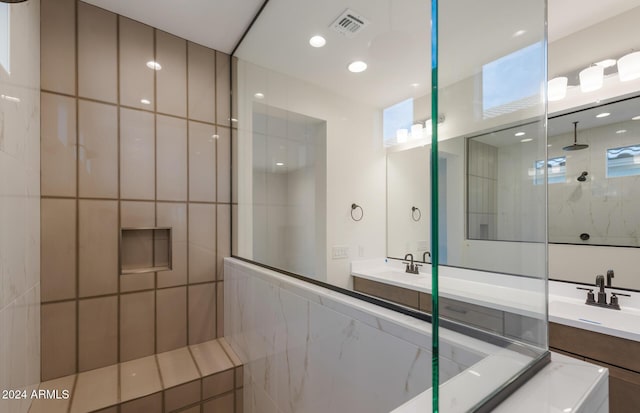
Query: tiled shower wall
(19,203)
(124,145)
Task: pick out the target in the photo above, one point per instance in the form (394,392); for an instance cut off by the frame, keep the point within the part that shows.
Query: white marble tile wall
(306,350)
(20,204)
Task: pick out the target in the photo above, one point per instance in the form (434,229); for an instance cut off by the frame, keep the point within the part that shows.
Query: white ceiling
(217,24)
(393,45)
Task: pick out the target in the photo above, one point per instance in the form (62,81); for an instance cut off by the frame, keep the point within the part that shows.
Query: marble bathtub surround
(300,341)
(160,383)
(127,146)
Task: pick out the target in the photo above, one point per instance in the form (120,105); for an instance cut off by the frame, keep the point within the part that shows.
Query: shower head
(576,146)
(583,176)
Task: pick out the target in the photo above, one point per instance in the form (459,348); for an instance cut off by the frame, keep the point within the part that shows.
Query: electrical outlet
(339,252)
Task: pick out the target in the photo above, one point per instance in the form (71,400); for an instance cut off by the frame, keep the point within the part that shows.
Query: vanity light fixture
(416,131)
(525,140)
(591,78)
(606,63)
(402,135)
(629,67)
(357,66)
(520,134)
(557,88)
(259,95)
(145,101)
(603,115)
(151,64)
(317,41)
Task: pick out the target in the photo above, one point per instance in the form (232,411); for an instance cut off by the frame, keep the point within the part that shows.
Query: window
(398,117)
(556,171)
(623,161)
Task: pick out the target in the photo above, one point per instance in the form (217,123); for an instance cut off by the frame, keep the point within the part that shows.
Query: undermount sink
(621,320)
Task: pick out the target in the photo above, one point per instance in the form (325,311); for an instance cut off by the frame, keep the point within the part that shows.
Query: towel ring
(355,207)
(414,216)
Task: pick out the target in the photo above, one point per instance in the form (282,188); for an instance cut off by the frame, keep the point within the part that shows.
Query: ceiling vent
(349,23)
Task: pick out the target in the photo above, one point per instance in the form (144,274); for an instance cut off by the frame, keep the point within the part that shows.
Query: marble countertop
(565,385)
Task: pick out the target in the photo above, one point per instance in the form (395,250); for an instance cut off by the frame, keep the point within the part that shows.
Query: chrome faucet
(424,257)
(411,267)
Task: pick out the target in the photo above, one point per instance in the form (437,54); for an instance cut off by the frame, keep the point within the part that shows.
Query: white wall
(20,207)
(355,160)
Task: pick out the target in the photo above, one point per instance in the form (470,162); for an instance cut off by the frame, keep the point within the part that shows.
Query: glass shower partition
(323,92)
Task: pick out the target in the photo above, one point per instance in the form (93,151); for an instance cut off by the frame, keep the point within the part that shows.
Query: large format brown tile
(171,318)
(137,154)
(97,150)
(171,162)
(98,231)
(54,405)
(97,53)
(58,145)
(171,81)
(217,384)
(222,404)
(58,46)
(136,49)
(181,396)
(139,378)
(202,162)
(202,243)
(58,249)
(210,358)
(174,215)
(95,390)
(223,90)
(223,244)
(58,340)
(98,333)
(177,367)
(148,404)
(202,313)
(137,325)
(223,164)
(202,83)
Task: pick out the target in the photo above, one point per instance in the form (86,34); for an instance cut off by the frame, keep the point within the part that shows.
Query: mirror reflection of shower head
(576,146)
(583,176)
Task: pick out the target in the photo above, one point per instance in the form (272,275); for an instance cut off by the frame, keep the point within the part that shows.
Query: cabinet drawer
(472,315)
(388,292)
(596,346)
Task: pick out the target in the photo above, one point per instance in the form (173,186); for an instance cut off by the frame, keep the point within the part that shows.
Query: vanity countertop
(519,295)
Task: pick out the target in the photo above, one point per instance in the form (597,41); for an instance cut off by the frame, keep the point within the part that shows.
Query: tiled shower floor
(201,378)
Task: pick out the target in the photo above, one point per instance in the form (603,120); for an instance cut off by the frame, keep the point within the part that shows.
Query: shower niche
(145,249)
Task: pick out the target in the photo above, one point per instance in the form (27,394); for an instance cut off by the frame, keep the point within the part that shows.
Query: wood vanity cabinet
(496,321)
(620,356)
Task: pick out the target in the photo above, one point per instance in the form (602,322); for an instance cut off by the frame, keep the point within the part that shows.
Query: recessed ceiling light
(606,63)
(621,131)
(317,41)
(549,145)
(259,95)
(145,101)
(215,136)
(603,115)
(415,84)
(279,164)
(153,65)
(636,117)
(519,33)
(520,133)
(526,140)
(357,66)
